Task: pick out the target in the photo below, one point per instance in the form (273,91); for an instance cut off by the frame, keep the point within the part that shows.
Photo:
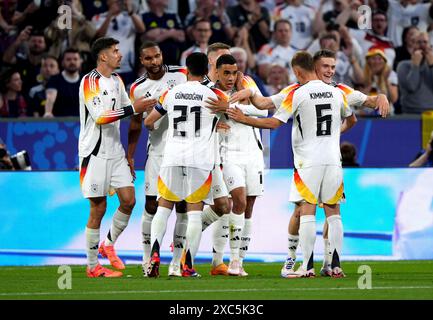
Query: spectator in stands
(215,13)
(165,29)
(78,37)
(201,34)
(344,13)
(122,23)
(37,97)
(25,54)
(425,157)
(241,61)
(62,89)
(405,51)
(241,40)
(379,78)
(8,30)
(277,79)
(93,8)
(12,103)
(376,37)
(305,21)
(405,13)
(255,18)
(415,77)
(278,51)
(38,14)
(5,159)
(348,155)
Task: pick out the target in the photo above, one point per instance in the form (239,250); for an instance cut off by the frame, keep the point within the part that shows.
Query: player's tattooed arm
(265,123)
(154,116)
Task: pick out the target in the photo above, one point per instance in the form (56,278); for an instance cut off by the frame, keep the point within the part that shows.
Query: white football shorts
(219,188)
(151,173)
(319,184)
(248,176)
(97,175)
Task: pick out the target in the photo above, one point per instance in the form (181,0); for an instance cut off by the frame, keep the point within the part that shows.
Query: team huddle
(205,156)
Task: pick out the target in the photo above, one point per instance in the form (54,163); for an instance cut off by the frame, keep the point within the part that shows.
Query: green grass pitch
(390,280)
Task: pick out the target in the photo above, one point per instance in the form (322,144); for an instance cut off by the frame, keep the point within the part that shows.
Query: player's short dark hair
(225,59)
(102,44)
(217,46)
(282,21)
(197,64)
(148,44)
(303,60)
(324,53)
(69,50)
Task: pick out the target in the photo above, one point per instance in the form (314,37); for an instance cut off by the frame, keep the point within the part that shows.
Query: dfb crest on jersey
(96,101)
(230,181)
(217,189)
(147,186)
(171,83)
(94,188)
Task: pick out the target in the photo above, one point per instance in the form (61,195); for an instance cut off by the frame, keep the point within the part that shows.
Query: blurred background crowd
(42,64)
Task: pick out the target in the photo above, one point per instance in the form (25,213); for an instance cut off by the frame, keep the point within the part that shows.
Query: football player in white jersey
(242,161)
(317,109)
(155,81)
(103,101)
(325,61)
(189,157)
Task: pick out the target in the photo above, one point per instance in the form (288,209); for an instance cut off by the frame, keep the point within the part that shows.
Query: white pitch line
(70,292)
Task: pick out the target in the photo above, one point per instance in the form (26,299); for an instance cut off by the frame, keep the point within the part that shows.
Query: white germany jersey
(317,110)
(355,98)
(152,89)
(191,126)
(103,101)
(242,144)
(400,17)
(301,18)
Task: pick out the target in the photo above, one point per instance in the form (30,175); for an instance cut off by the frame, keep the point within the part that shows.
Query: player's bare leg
(98,206)
(157,231)
(220,235)
(193,237)
(307,238)
(293,241)
(179,238)
(121,217)
(333,217)
(236,222)
(149,212)
(246,233)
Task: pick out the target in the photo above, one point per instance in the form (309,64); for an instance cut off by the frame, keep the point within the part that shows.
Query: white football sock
(92,242)
(146,224)
(293,245)
(179,237)
(327,256)
(335,234)
(120,221)
(307,238)
(208,217)
(245,239)
(193,233)
(220,235)
(158,228)
(236,222)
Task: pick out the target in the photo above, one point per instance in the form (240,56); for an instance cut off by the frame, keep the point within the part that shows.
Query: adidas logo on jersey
(147,95)
(105,93)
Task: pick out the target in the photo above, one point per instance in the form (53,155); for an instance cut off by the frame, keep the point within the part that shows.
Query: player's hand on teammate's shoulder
(382,104)
(223,126)
(239,78)
(217,105)
(143,104)
(236,114)
(131,167)
(240,95)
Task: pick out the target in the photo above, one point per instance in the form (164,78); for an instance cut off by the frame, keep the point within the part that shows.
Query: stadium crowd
(42,64)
